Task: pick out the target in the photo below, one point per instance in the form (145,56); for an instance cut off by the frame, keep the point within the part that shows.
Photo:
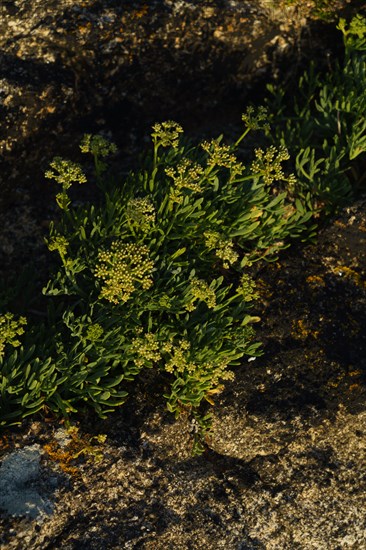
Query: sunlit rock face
(65,59)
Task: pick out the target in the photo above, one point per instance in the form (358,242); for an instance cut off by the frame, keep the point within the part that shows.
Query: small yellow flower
(268,164)
(10,329)
(167,134)
(247,288)
(60,244)
(146,348)
(141,212)
(219,155)
(200,290)
(94,332)
(97,145)
(224,248)
(256,120)
(187,175)
(123,269)
(65,172)
(179,361)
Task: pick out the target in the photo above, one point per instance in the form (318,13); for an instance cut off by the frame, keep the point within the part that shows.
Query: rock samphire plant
(154,276)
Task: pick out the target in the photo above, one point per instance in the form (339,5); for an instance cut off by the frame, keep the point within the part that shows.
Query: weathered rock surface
(19,477)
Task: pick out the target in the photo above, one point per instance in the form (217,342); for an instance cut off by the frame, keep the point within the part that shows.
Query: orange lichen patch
(315,280)
(62,457)
(355,373)
(335,382)
(300,331)
(141,12)
(85,445)
(4,444)
(355,387)
(349,274)
(47,109)
(340,224)
(84,29)
(87,3)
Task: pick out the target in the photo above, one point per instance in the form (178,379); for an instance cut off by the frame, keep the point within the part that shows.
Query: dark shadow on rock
(32,72)
(108,530)
(236,471)
(285,401)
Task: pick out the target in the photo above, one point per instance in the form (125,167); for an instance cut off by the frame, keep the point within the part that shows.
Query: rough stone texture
(19,477)
(285,465)
(71,66)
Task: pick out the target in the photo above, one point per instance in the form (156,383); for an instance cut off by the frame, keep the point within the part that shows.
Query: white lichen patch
(20,493)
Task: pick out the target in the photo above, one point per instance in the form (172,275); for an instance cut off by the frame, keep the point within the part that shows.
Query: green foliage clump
(324,126)
(155,277)
(158,268)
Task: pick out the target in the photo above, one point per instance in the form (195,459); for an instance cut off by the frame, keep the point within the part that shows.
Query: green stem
(96,166)
(65,200)
(156,148)
(242,137)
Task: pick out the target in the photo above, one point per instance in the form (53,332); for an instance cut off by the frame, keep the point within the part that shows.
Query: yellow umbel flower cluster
(224,248)
(219,372)
(122,269)
(146,348)
(97,146)
(65,172)
(268,164)
(94,332)
(221,155)
(167,133)
(256,119)
(60,244)
(187,175)
(247,288)
(177,357)
(10,329)
(178,361)
(200,290)
(141,212)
